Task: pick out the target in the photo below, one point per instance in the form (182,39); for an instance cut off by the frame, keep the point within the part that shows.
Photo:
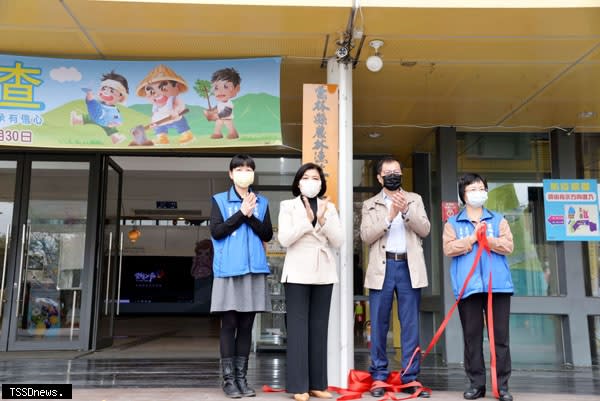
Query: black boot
(241,367)
(229,387)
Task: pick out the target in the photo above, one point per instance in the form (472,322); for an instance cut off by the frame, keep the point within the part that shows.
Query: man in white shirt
(393,225)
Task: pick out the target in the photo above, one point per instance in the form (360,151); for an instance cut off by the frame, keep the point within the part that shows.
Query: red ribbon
(360,381)
(268,389)
(483,245)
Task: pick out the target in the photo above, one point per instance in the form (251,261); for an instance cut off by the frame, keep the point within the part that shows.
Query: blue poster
(169,104)
(571,210)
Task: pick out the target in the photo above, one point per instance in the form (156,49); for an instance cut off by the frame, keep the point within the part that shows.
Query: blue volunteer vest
(242,251)
(461,264)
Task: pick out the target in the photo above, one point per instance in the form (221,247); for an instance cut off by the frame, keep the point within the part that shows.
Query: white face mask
(243,179)
(309,188)
(476,198)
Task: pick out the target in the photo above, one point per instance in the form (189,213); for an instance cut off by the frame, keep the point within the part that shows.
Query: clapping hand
(478,227)
(309,212)
(322,210)
(248,204)
(399,204)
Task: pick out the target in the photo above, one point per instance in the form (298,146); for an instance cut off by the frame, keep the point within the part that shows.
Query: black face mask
(392,181)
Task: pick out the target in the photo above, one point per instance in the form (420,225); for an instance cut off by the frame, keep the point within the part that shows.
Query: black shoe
(412,390)
(505,395)
(229,387)
(474,393)
(377,392)
(240,364)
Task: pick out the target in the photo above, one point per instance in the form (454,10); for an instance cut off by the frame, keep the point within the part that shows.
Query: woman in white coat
(310,229)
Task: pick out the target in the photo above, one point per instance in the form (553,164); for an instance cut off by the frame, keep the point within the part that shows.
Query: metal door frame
(22,194)
(106,162)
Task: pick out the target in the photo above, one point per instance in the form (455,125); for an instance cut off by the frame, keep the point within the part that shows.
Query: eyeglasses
(388,172)
(475,189)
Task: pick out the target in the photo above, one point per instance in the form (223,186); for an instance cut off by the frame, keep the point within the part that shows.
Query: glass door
(8,212)
(109,273)
(50,263)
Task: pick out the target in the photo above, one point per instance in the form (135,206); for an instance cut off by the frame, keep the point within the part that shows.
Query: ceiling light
(134,234)
(375,63)
(374,135)
(587,114)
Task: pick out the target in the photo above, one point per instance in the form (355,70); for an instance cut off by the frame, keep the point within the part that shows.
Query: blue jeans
(397,280)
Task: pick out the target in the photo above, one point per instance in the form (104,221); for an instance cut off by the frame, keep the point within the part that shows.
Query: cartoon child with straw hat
(161,88)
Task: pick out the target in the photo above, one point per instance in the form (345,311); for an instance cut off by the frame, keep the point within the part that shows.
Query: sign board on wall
(320,132)
(571,210)
(91,104)
(449,209)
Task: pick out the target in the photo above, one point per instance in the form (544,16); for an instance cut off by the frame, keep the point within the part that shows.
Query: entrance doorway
(69,266)
(162,298)
(48,215)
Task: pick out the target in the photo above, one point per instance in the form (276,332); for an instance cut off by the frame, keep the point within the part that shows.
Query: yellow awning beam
(390,3)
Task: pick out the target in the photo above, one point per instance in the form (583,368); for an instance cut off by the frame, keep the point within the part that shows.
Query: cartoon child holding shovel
(225,86)
(161,88)
(103,111)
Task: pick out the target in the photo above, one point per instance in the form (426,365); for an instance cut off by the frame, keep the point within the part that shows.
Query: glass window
(594,322)
(534,340)
(49,298)
(515,190)
(8,173)
(591,169)
(533,261)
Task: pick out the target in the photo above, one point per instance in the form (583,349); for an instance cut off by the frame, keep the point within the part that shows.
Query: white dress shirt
(396,239)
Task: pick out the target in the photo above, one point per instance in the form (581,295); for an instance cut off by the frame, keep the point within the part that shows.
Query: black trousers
(307,320)
(472,310)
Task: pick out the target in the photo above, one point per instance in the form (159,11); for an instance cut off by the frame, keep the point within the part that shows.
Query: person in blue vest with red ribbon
(239,226)
(472,270)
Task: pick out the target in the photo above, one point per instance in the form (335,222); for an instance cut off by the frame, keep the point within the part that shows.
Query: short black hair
(117,77)
(303,169)
(241,160)
(467,179)
(387,159)
(227,74)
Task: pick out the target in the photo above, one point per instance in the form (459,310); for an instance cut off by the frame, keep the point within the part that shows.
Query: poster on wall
(571,210)
(85,104)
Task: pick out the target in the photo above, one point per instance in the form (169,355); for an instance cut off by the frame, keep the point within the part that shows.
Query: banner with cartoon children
(85,104)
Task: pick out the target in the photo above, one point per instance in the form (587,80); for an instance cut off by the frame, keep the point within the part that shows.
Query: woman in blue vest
(460,242)
(239,226)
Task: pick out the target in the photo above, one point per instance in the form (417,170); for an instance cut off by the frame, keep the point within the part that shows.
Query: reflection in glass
(533,261)
(7,195)
(591,169)
(594,322)
(515,165)
(48,305)
(534,340)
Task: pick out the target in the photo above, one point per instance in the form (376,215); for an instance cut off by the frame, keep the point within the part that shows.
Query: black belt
(395,256)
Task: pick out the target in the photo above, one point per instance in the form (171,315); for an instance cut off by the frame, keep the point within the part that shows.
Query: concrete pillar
(340,351)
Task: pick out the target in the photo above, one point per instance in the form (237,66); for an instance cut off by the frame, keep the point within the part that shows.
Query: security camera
(341,52)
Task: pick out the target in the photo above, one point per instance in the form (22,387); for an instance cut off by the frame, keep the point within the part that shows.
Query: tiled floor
(85,372)
(184,365)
